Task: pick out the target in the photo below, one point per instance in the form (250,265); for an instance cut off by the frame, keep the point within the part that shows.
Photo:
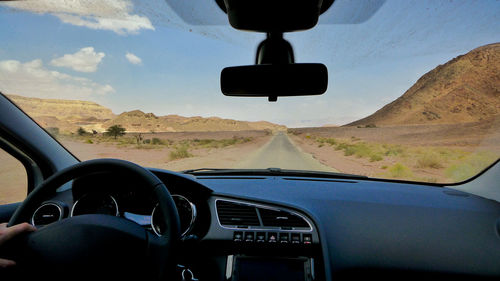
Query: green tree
(116,131)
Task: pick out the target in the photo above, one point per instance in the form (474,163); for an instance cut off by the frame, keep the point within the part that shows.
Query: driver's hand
(7,233)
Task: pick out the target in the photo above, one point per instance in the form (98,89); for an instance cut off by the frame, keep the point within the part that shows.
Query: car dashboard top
(304,228)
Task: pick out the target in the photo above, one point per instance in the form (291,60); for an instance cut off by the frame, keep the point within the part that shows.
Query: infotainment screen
(271,269)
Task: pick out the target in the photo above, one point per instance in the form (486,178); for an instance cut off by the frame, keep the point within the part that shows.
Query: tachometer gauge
(95,203)
(187,216)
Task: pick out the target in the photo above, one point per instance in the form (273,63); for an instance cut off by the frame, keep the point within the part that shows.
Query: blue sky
(80,53)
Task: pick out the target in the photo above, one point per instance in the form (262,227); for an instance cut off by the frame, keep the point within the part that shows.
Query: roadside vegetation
(119,137)
(180,152)
(418,163)
(470,166)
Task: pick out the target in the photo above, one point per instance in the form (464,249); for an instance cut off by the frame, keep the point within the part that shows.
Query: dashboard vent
(281,219)
(231,213)
(46,214)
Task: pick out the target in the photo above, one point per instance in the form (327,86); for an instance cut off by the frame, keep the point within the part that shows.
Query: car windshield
(413,92)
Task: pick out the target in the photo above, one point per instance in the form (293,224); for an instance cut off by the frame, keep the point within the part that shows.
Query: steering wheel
(98,246)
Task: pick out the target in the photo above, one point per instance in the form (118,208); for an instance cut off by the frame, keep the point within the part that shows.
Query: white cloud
(114,15)
(33,79)
(133,59)
(85,60)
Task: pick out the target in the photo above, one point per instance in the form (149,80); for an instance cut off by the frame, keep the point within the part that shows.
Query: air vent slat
(46,214)
(235,214)
(279,218)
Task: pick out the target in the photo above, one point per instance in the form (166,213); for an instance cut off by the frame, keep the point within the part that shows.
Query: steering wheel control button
(307,239)
(284,238)
(238,236)
(249,236)
(295,238)
(272,237)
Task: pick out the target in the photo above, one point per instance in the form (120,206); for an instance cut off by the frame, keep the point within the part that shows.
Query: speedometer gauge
(95,203)
(187,216)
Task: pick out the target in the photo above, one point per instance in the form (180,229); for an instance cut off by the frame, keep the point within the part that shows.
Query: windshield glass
(413,94)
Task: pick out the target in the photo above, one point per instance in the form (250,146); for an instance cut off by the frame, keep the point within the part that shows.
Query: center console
(257,241)
(257,268)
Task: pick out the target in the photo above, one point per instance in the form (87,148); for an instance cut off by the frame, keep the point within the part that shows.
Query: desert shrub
(471,166)
(212,143)
(393,150)
(376,157)
(157,141)
(180,152)
(341,146)
(349,150)
(89,141)
(361,150)
(205,142)
(147,141)
(81,131)
(430,160)
(54,131)
(331,141)
(308,136)
(371,126)
(399,171)
(127,141)
(228,142)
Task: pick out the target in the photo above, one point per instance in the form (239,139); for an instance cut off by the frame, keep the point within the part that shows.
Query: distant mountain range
(69,115)
(138,121)
(465,89)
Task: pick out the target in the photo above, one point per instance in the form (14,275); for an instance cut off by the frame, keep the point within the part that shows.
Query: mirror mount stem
(274,50)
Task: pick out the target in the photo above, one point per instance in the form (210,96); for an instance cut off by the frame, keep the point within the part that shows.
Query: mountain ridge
(69,115)
(464,89)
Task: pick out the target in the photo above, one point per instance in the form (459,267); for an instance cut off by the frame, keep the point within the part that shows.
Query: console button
(295,238)
(238,236)
(307,238)
(249,236)
(284,238)
(260,237)
(272,237)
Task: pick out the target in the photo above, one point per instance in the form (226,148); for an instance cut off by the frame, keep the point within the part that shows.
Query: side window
(13,179)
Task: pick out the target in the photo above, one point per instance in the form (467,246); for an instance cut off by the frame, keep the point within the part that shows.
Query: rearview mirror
(274,80)
(273,15)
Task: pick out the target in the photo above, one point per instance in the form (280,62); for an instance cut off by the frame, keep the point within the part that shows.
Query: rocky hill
(69,115)
(465,89)
(138,121)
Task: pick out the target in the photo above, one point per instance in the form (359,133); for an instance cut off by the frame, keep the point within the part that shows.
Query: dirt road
(281,152)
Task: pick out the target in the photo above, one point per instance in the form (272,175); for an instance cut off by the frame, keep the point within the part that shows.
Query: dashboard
(300,228)
(107,194)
